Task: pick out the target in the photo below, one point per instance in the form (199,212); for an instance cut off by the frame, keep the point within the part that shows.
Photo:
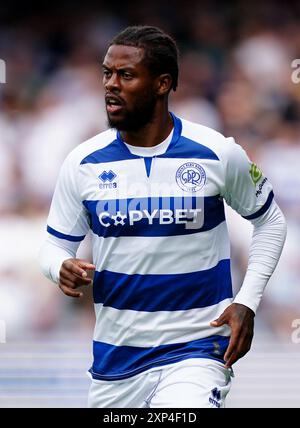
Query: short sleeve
(68,218)
(246,188)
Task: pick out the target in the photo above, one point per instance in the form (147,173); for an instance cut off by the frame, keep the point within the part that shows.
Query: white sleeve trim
(266,246)
(53,253)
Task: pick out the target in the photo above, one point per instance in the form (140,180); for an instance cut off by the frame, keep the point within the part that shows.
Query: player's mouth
(113,104)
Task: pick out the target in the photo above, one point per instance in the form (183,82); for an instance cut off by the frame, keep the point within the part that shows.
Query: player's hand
(73,274)
(240,318)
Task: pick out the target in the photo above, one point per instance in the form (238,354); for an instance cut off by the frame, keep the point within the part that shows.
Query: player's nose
(112,83)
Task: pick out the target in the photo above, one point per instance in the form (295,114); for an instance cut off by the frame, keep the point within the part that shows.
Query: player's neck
(153,133)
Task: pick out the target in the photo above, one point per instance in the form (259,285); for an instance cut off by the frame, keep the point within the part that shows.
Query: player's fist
(240,319)
(75,273)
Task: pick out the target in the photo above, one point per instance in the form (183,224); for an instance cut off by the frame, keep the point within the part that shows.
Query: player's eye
(106,73)
(126,75)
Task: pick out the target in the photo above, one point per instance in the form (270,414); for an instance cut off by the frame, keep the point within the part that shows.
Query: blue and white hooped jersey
(160,242)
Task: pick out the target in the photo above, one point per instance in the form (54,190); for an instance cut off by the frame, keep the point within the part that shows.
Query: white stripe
(162,254)
(132,182)
(148,329)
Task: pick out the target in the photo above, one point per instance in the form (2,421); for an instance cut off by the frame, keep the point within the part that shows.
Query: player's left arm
(250,193)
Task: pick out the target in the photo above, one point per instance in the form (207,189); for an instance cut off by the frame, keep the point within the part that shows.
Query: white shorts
(194,382)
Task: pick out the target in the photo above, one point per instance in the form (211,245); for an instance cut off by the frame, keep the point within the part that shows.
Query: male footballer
(151,190)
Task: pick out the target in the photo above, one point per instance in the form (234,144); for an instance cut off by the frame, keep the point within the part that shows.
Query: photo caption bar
(132,418)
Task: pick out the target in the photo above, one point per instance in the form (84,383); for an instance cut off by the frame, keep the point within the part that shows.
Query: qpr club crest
(191,177)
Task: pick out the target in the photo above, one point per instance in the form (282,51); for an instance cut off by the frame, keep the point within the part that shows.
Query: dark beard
(136,119)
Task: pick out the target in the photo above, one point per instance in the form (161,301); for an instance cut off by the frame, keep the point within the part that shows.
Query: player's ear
(163,84)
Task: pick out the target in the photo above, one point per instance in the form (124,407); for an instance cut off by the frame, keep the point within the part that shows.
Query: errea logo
(107,179)
(216,397)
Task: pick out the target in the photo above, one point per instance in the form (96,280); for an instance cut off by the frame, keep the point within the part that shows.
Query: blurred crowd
(235,76)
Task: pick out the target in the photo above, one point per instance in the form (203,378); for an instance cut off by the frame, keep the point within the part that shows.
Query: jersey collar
(176,135)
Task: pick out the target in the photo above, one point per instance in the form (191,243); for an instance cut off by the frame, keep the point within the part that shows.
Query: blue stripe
(169,292)
(263,209)
(63,236)
(119,362)
(187,149)
(212,209)
(176,131)
(148,162)
(115,151)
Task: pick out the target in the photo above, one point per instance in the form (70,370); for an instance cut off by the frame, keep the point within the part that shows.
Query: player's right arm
(67,227)
(73,274)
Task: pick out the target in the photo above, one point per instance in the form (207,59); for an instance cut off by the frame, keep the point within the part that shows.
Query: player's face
(129,88)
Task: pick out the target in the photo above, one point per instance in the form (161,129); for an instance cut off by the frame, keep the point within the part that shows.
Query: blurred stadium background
(235,77)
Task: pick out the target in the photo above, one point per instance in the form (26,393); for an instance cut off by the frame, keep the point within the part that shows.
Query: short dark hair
(161,51)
